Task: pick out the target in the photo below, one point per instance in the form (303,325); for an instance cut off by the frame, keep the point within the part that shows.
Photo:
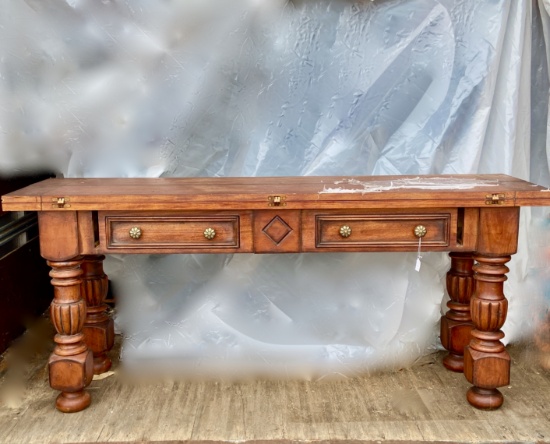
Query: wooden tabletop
(200,193)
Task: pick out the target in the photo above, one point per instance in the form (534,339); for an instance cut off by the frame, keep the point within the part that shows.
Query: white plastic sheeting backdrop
(271,87)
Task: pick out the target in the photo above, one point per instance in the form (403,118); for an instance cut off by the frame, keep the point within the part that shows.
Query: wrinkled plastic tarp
(263,88)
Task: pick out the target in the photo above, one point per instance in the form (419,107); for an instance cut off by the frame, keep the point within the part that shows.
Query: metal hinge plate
(276,201)
(495,199)
(60,202)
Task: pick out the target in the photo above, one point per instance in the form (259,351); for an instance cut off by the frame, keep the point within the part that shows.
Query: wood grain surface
(253,192)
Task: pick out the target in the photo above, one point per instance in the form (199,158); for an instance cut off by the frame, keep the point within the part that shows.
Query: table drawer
(175,233)
(388,231)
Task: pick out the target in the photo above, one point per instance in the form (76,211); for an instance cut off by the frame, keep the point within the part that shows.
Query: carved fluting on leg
(68,319)
(456,324)
(486,361)
(71,363)
(99,327)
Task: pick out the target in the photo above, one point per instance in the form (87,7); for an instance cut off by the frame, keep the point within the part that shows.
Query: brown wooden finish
(486,361)
(71,363)
(99,331)
(169,232)
(468,228)
(381,230)
(58,235)
(498,231)
(86,225)
(202,193)
(474,217)
(456,324)
(277,232)
(159,232)
(12,183)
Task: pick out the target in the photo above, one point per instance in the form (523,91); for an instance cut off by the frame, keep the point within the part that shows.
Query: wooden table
(475,218)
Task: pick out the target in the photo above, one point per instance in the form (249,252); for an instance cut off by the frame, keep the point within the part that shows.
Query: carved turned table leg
(456,324)
(99,327)
(71,363)
(486,361)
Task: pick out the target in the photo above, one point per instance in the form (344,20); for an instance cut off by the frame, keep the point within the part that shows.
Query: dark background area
(25,290)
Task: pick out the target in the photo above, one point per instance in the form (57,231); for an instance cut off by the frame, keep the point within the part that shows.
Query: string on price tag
(419,256)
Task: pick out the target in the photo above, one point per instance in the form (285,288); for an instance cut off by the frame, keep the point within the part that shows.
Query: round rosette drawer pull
(209,233)
(420,231)
(345,231)
(135,232)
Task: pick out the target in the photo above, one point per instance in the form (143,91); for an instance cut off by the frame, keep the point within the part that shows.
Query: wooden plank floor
(424,403)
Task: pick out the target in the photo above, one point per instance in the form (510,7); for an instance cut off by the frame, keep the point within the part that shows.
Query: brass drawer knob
(345,231)
(135,232)
(420,231)
(209,233)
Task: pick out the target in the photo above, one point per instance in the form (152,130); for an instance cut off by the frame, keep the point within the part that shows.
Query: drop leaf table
(473,217)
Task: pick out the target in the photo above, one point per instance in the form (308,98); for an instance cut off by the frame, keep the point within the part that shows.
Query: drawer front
(173,233)
(384,231)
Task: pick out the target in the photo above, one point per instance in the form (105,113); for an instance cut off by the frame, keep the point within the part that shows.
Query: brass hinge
(276,201)
(495,199)
(60,202)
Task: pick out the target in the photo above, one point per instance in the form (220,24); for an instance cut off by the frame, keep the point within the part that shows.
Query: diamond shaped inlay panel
(277,229)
